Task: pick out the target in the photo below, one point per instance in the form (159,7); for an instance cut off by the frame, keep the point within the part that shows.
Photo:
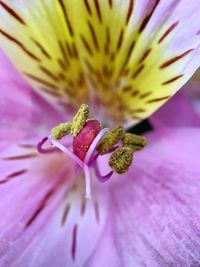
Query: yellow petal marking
(97,52)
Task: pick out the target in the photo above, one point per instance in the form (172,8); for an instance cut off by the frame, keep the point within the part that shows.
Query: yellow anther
(61,130)
(80,119)
(110,139)
(134,141)
(121,159)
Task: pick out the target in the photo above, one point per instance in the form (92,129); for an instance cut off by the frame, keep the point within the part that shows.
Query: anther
(134,141)
(79,119)
(121,159)
(61,130)
(110,139)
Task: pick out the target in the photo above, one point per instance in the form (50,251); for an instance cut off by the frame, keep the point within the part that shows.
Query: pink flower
(124,60)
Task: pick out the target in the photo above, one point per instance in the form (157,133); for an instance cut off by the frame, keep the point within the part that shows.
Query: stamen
(87,181)
(90,141)
(67,151)
(102,178)
(61,130)
(79,162)
(110,139)
(79,119)
(94,144)
(41,149)
(121,159)
(134,141)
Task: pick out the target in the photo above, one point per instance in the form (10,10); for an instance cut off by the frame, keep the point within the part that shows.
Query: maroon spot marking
(93,34)
(145,55)
(87,7)
(157,99)
(174,59)
(65,214)
(126,71)
(85,43)
(63,52)
(62,64)
(112,56)
(74,241)
(96,2)
(107,72)
(69,50)
(136,117)
(127,88)
(148,17)
(130,50)
(89,66)
(198,33)
(17,173)
(130,10)
(12,175)
(75,52)
(138,71)
(20,45)
(12,13)
(110,3)
(173,79)
(167,32)
(42,49)
(41,206)
(19,157)
(138,110)
(145,95)
(66,17)
(49,73)
(135,93)
(40,80)
(83,206)
(96,210)
(107,43)
(50,92)
(61,76)
(27,146)
(119,43)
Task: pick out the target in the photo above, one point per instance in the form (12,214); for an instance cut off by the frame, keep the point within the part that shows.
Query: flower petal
(179,111)
(131,57)
(156,214)
(23,113)
(48,221)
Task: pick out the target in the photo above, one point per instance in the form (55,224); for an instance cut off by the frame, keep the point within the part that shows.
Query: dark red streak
(170,29)
(74,237)
(87,7)
(66,17)
(174,59)
(130,10)
(148,17)
(12,13)
(19,44)
(172,80)
(157,99)
(96,2)
(27,156)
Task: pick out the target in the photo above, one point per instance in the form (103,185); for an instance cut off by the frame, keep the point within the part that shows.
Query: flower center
(90,142)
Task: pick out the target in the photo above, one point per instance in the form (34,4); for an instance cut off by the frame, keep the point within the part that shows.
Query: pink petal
(23,113)
(156,207)
(179,111)
(44,218)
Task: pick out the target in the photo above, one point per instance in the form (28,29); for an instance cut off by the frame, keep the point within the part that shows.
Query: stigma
(91,141)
